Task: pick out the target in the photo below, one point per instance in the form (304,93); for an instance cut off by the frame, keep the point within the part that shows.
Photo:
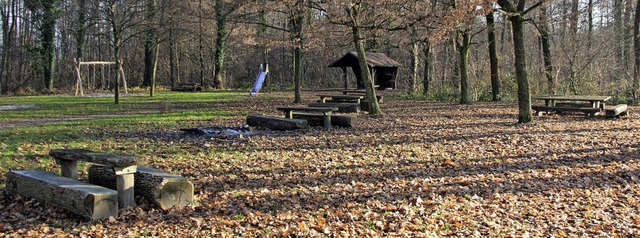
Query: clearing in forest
(423,169)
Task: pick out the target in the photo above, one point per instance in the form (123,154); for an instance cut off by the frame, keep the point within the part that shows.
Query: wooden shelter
(383,69)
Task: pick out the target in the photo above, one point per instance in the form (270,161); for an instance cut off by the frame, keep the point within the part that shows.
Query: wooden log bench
(589,111)
(276,123)
(361,92)
(90,201)
(616,111)
(123,166)
(343,107)
(325,112)
(163,189)
(318,120)
(187,87)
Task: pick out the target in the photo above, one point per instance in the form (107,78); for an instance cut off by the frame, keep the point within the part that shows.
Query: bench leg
(125,185)
(327,120)
(68,168)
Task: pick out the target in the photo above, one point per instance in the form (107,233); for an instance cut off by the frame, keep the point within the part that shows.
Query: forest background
(572,46)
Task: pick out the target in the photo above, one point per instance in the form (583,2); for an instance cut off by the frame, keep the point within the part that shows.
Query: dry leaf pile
(423,169)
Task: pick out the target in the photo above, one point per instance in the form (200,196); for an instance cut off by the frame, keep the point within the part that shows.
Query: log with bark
(276,123)
(163,189)
(617,110)
(90,201)
(318,119)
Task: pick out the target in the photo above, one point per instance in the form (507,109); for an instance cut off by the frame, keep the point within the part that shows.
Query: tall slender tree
(516,15)
(493,57)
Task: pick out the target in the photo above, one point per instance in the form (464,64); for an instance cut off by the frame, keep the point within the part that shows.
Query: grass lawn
(423,169)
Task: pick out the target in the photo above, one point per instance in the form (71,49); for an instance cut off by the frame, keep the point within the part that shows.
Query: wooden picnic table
(596,103)
(352,98)
(325,112)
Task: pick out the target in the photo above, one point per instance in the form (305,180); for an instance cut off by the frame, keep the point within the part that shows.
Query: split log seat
(90,201)
(163,189)
(318,119)
(123,166)
(617,110)
(588,110)
(276,123)
(342,107)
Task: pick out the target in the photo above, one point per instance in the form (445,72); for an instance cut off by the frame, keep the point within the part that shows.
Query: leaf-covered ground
(423,169)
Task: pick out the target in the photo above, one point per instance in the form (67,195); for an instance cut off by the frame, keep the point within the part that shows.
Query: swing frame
(77,65)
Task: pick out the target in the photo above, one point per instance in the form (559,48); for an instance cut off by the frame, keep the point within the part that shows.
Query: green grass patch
(27,147)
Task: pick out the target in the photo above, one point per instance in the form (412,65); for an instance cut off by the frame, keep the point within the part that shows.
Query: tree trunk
(426,78)
(619,43)
(297,77)
(524,97)
(463,50)
(200,45)
(415,63)
(636,45)
(221,44)
(149,44)
(48,32)
(374,107)
(546,51)
(173,64)
(493,58)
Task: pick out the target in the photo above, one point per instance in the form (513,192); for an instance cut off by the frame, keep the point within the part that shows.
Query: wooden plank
(342,107)
(163,189)
(276,123)
(617,110)
(96,63)
(567,109)
(87,200)
(115,160)
(571,98)
(308,109)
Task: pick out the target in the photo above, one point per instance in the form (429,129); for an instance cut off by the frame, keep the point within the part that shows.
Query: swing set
(79,87)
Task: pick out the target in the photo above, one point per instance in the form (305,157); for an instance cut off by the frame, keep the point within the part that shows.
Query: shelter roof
(373,60)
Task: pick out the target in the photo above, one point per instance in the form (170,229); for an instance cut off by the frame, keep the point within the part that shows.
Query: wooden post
(76,65)
(124,79)
(68,168)
(125,186)
(327,120)
(344,78)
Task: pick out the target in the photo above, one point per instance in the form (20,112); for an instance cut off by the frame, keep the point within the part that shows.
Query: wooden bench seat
(123,166)
(87,200)
(164,189)
(276,123)
(342,107)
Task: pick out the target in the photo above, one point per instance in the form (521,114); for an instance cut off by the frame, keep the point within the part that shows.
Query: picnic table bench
(325,112)
(341,98)
(124,167)
(558,103)
(353,91)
